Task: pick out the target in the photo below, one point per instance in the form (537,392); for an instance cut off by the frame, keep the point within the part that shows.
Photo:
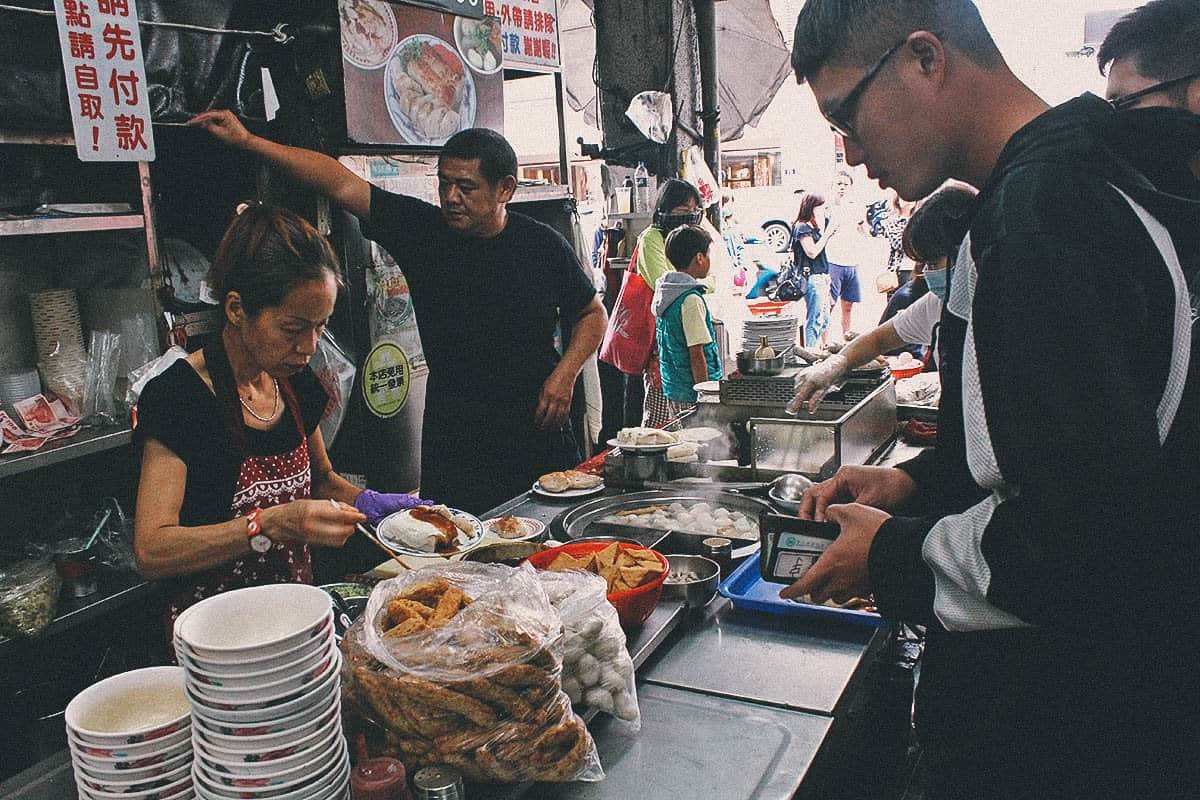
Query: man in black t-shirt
(489,287)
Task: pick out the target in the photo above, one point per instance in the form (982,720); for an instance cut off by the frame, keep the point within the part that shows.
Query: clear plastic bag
(335,370)
(597,668)
(100,379)
(28,597)
(472,680)
(64,372)
(150,370)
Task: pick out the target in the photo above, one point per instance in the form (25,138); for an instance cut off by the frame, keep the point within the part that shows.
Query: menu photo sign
(528,33)
(415,77)
(106,79)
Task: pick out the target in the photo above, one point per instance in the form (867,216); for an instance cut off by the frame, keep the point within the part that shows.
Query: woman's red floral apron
(263,482)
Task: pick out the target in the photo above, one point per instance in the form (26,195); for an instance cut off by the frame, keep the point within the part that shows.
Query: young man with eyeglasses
(1152,59)
(1062,503)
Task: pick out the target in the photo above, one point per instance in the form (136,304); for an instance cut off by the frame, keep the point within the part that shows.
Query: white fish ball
(625,706)
(599,699)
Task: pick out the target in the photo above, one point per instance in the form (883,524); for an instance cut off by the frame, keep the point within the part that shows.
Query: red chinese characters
(119,39)
(102,60)
(131,132)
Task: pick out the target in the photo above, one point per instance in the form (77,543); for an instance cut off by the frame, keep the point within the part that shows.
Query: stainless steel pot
(749,365)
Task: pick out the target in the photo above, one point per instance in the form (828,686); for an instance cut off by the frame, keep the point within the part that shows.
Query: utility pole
(710,96)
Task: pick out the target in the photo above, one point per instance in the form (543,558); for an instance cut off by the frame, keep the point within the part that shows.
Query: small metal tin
(720,550)
(438,783)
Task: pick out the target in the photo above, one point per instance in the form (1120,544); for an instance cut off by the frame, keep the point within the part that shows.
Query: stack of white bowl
(130,737)
(19,384)
(262,675)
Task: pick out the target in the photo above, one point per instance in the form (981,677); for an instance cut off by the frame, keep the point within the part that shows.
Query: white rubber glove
(814,382)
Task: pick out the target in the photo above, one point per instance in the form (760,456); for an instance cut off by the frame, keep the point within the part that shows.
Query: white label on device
(794,563)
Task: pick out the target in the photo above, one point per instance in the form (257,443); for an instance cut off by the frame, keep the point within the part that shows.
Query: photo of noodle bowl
(368,32)
(429,91)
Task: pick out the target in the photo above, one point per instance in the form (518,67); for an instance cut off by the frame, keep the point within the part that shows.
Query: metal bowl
(697,593)
(749,365)
(508,553)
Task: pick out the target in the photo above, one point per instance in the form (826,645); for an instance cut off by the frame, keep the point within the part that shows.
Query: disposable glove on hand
(814,382)
(377,505)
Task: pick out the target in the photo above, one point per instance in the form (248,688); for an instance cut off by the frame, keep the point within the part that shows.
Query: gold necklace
(274,405)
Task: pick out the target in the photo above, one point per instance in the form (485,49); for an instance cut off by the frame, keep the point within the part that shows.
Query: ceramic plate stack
(262,674)
(130,737)
(780,332)
(19,384)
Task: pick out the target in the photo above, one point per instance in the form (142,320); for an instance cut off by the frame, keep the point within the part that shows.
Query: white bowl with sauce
(133,708)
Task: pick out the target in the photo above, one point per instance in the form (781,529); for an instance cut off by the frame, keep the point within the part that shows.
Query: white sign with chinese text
(529,33)
(106,79)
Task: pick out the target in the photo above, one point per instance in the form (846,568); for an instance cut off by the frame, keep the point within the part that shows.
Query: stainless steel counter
(764,658)
(734,705)
(692,745)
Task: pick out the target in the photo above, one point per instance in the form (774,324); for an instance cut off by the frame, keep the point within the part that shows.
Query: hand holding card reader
(790,545)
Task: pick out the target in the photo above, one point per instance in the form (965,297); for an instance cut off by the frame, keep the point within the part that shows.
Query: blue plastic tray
(746,588)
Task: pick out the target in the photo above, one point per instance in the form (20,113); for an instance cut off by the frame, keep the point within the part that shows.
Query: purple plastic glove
(377,505)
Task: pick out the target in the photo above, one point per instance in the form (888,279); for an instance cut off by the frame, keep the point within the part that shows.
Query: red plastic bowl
(900,374)
(634,606)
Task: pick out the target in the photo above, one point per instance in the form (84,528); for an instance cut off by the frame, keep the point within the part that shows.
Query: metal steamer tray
(583,520)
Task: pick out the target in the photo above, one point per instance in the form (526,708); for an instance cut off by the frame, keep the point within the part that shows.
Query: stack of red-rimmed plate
(130,737)
(261,672)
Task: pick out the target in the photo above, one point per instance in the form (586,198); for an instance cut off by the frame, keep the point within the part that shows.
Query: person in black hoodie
(1057,562)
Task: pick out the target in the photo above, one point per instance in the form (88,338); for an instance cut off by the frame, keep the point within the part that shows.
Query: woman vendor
(235,483)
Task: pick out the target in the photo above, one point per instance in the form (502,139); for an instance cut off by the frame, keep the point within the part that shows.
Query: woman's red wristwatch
(259,542)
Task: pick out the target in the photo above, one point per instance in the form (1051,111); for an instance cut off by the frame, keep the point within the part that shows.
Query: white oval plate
(535,527)
(641,448)
(538,490)
(469,544)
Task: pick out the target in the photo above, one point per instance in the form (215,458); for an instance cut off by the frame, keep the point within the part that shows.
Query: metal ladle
(787,491)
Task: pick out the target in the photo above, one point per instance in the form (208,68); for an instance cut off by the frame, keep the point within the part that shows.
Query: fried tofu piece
(407,627)
(400,610)
(566,561)
(449,604)
(424,592)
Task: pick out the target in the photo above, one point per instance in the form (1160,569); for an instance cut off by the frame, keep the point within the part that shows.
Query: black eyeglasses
(1130,100)
(841,119)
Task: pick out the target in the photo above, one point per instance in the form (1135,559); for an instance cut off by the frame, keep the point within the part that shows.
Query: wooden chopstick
(382,546)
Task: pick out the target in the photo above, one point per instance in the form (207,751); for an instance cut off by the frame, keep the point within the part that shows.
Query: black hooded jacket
(1056,502)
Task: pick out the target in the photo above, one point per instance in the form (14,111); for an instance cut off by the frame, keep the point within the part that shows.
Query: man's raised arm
(315,170)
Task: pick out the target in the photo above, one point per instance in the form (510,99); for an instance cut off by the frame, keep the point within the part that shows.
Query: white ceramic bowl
(203,679)
(144,705)
(317,696)
(232,735)
(223,756)
(133,756)
(268,694)
(135,786)
(319,753)
(235,667)
(175,791)
(103,773)
(334,784)
(255,622)
(305,779)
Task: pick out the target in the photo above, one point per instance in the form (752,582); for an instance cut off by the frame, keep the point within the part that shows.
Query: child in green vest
(687,347)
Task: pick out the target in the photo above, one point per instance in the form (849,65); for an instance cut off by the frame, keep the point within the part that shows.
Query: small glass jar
(379,779)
